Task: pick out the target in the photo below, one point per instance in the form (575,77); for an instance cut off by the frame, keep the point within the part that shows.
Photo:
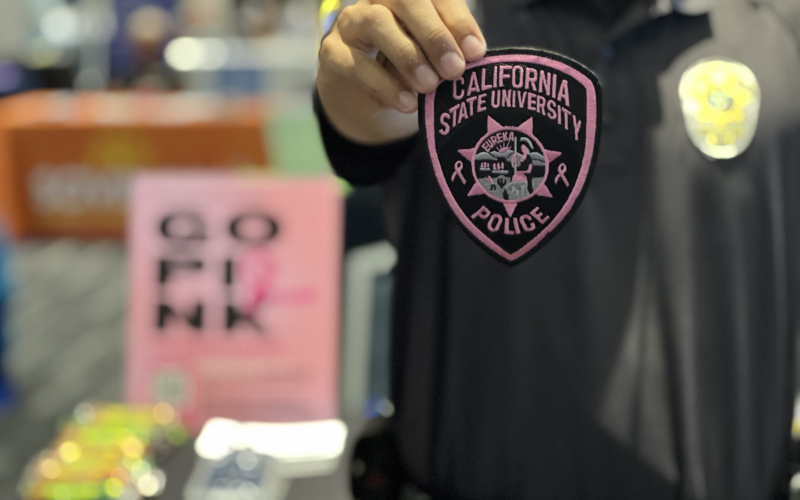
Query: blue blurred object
(15,78)
(242,475)
(6,391)
(123,53)
(381,333)
(369,286)
(379,402)
(12,76)
(242,81)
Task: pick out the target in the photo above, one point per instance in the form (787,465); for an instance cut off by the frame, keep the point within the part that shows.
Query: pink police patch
(513,143)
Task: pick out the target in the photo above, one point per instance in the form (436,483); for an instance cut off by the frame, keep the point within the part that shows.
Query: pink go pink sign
(235,296)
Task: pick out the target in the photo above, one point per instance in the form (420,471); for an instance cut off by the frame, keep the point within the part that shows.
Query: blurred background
(95,94)
(191,306)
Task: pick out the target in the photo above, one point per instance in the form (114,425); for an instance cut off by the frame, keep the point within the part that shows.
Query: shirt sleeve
(358,164)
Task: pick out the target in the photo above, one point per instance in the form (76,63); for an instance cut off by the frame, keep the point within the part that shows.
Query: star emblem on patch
(513,143)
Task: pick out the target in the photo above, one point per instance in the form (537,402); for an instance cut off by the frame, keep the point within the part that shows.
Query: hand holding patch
(513,143)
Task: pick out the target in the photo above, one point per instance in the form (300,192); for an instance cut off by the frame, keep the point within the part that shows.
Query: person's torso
(644,352)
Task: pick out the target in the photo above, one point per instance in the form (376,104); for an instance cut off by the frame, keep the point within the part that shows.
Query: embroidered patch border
(513,144)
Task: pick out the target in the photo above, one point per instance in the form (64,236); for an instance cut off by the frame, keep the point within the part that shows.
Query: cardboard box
(66,158)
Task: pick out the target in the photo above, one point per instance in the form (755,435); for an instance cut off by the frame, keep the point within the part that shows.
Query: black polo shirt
(645,353)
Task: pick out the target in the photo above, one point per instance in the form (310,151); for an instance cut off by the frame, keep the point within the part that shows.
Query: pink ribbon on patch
(562,174)
(459,168)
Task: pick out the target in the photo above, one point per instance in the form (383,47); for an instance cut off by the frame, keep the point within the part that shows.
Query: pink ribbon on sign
(256,271)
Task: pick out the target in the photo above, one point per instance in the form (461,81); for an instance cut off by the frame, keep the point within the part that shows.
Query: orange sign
(66,158)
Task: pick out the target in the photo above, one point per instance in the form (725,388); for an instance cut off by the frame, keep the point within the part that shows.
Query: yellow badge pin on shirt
(721,100)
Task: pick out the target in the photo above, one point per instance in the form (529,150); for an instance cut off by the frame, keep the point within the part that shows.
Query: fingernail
(426,76)
(407,100)
(473,48)
(452,64)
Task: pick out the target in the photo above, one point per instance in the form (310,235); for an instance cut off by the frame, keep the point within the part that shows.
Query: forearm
(358,163)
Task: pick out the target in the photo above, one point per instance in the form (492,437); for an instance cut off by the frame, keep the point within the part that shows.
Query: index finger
(462,25)
(426,26)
